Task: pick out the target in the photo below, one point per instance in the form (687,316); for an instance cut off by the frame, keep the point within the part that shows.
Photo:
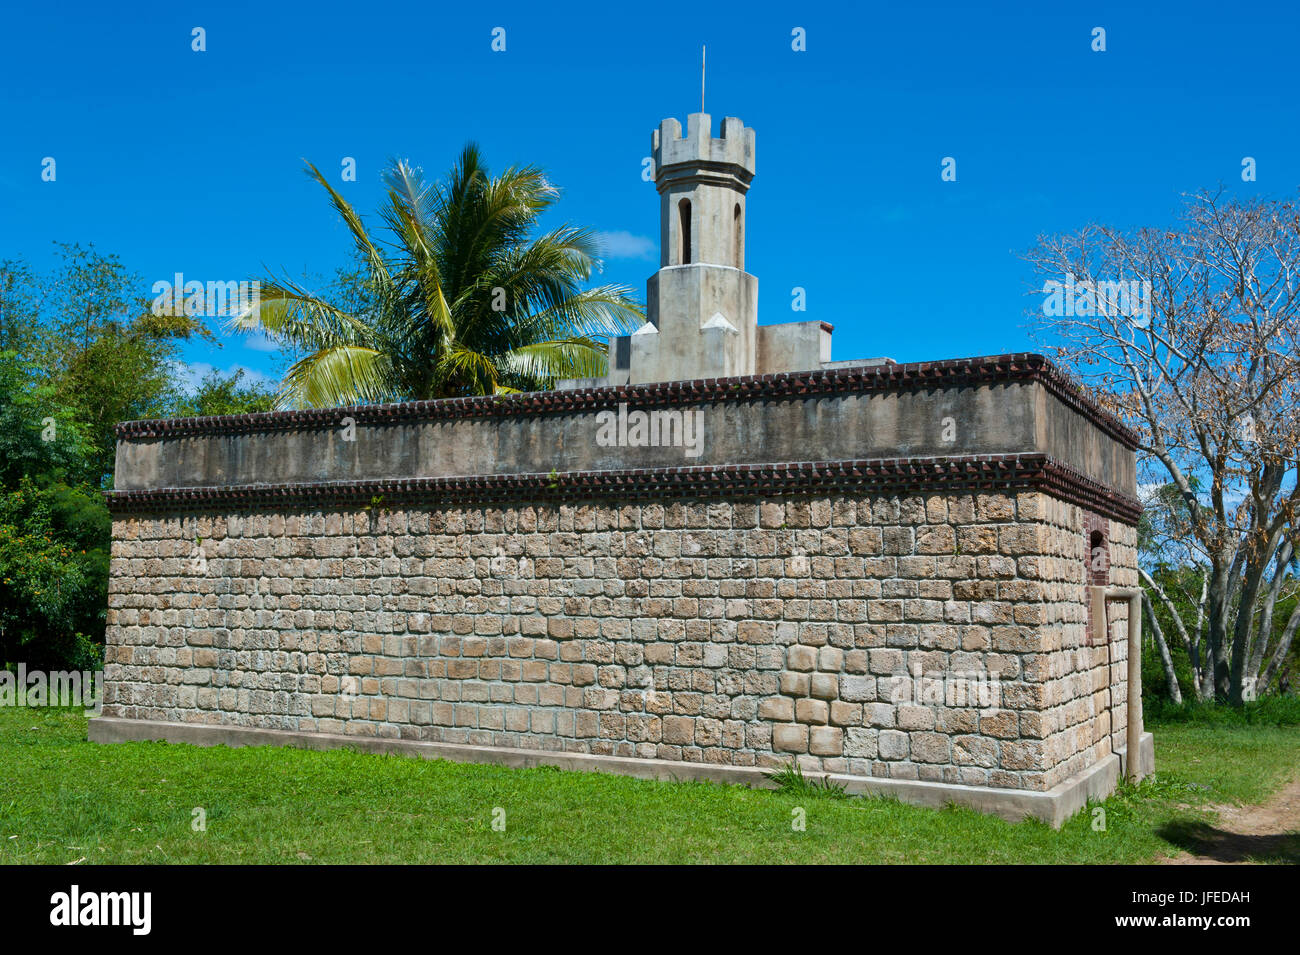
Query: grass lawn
(63,799)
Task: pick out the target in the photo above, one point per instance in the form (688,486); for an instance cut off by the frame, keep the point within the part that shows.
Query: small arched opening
(1098,559)
(738,236)
(684,231)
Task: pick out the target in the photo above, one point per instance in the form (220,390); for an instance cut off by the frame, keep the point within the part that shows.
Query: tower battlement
(702,305)
(734,147)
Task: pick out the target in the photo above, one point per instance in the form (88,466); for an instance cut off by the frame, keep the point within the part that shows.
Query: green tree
(54,560)
(38,434)
(108,355)
(220,395)
(18,306)
(80,350)
(467,304)
(54,528)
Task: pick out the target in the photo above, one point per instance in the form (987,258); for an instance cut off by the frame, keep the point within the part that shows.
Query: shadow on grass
(1202,839)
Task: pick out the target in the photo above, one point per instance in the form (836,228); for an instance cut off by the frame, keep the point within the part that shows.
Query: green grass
(63,799)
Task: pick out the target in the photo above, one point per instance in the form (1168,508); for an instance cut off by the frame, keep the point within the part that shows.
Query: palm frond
(602,312)
(293,315)
(463,371)
(355,226)
(550,361)
(339,375)
(431,322)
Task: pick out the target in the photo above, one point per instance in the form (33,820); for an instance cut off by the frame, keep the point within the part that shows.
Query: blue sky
(191,162)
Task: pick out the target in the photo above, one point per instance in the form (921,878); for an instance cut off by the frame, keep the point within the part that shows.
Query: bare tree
(1190,334)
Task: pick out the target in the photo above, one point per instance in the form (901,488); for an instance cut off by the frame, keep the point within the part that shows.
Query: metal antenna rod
(702,52)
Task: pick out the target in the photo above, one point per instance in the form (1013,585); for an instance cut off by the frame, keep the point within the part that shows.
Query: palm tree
(465,304)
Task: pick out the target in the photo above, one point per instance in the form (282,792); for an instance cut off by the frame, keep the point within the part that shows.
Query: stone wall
(1084,691)
(742,632)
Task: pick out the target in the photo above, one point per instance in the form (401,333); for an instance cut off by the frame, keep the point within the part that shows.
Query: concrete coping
(867,376)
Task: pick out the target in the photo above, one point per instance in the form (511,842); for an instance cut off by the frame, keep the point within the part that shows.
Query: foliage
(1266,711)
(85,352)
(791,780)
(99,347)
(121,375)
(38,434)
(54,529)
(1181,607)
(54,561)
(17,306)
(468,304)
(224,395)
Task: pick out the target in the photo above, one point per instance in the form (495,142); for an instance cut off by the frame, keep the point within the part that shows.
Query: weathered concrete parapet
(973,416)
(797,345)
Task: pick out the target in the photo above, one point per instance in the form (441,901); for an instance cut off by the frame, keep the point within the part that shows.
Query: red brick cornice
(866,379)
(997,472)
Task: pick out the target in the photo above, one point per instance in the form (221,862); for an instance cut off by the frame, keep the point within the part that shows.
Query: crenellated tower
(702,181)
(702,306)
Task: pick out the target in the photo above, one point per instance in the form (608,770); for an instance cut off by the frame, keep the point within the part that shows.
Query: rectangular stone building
(731,554)
(481,573)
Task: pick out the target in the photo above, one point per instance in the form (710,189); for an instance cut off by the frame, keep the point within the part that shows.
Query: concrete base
(1053,807)
(1146,757)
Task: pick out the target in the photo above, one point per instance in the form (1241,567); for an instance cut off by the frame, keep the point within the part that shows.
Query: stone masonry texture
(940,636)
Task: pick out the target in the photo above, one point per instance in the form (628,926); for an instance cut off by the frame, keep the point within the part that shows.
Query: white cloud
(259,341)
(625,245)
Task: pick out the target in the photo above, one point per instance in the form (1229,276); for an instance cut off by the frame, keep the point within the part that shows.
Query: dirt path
(1269,831)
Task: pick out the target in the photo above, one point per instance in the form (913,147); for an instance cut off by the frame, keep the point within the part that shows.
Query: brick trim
(865,379)
(998,472)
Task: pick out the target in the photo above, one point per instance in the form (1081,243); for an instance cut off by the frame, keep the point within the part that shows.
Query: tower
(702,305)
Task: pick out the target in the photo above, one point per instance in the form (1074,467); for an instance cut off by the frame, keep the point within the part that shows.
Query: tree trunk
(1166,661)
(1202,672)
(1217,633)
(1283,647)
(1259,645)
